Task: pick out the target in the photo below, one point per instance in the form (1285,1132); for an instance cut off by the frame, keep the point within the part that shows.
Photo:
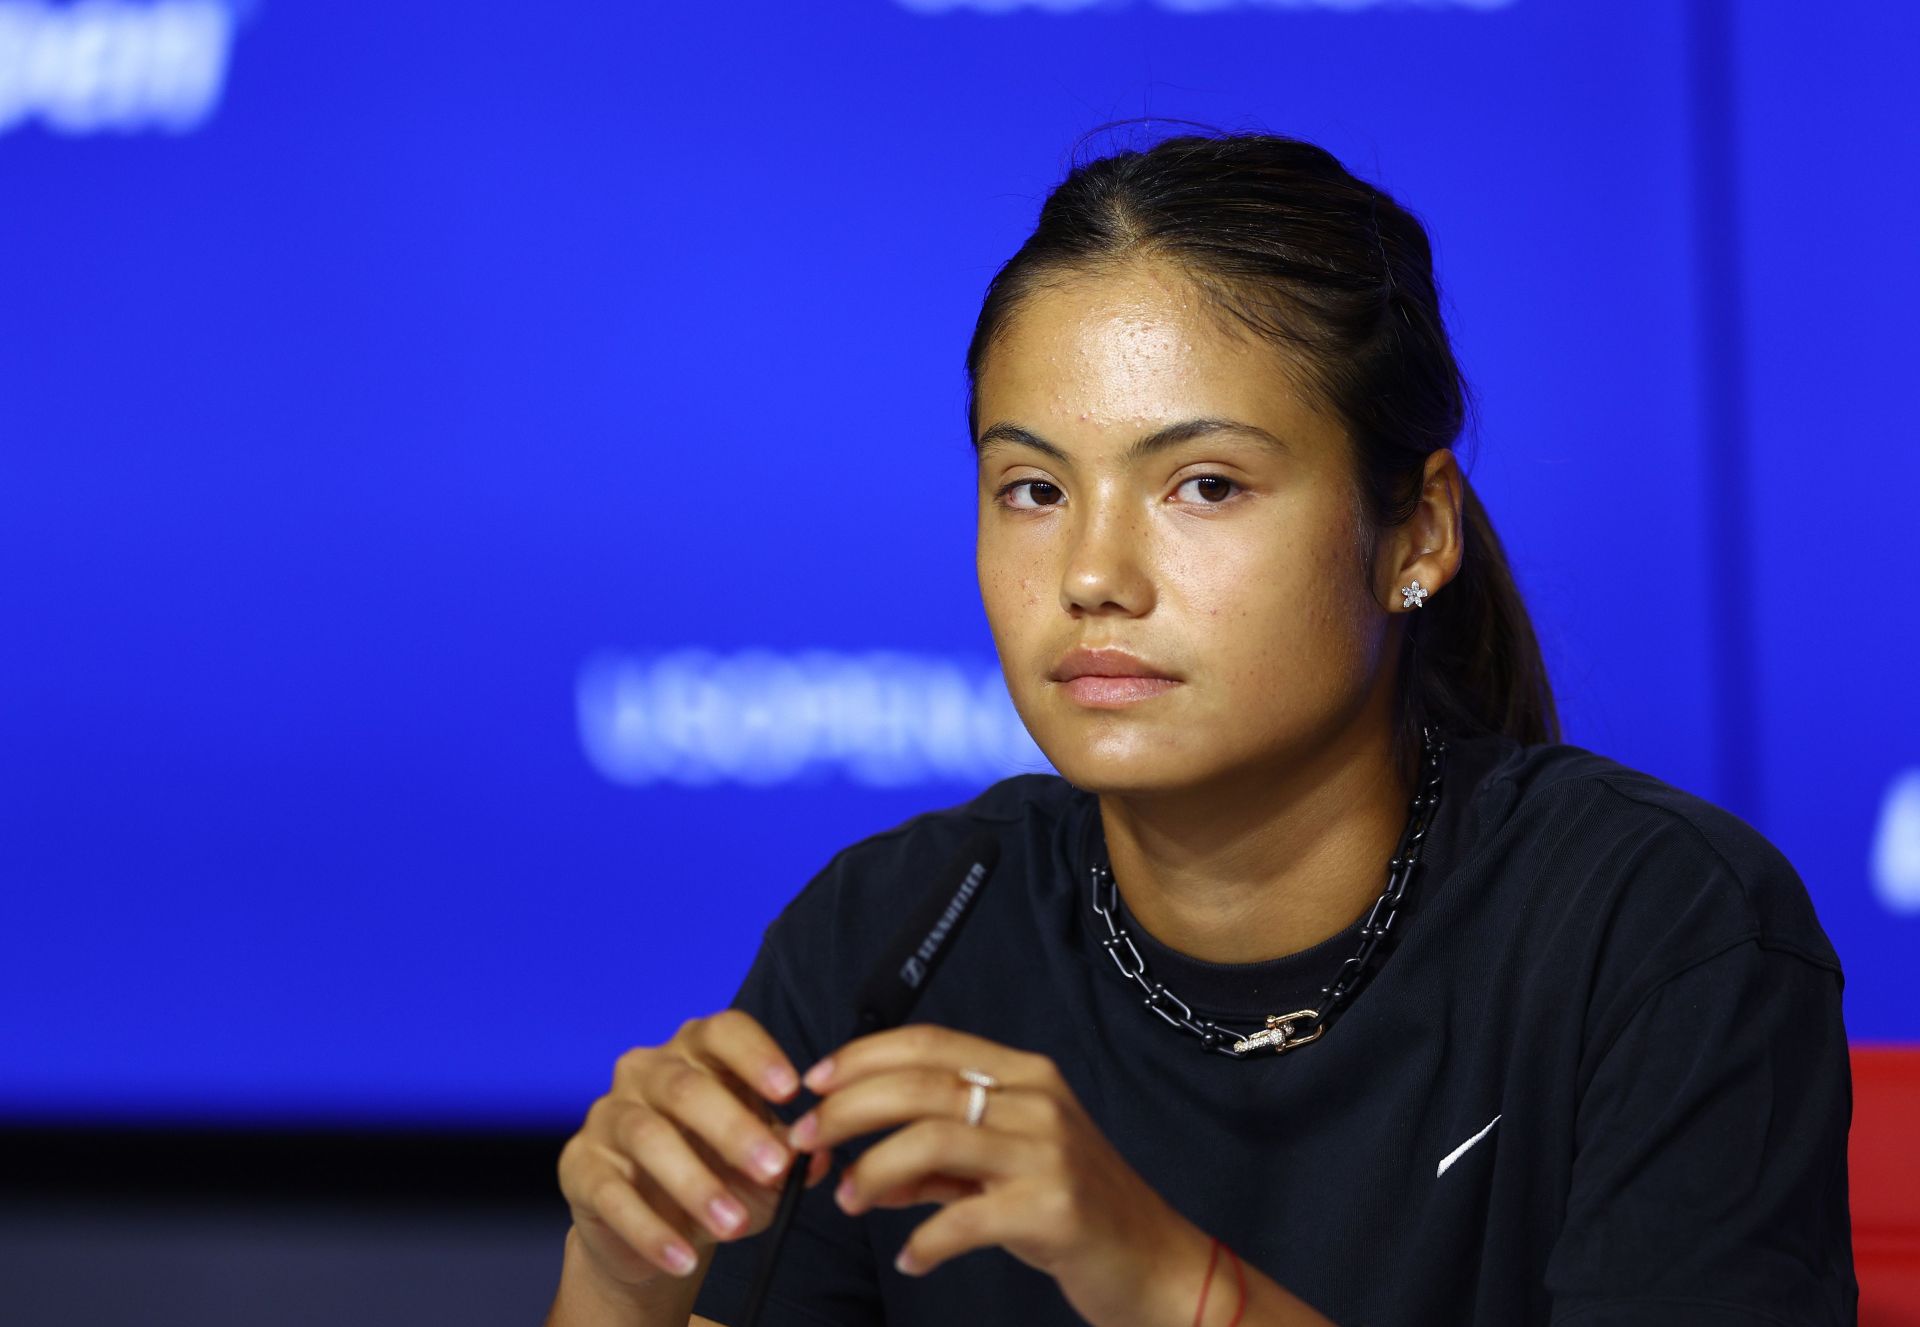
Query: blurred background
(486,512)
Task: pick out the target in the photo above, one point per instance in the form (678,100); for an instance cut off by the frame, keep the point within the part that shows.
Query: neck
(1266,862)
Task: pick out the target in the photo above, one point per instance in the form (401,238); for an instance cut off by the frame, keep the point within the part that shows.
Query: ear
(1428,545)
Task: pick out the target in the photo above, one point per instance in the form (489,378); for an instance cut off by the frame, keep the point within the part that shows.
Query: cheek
(1010,591)
(1011,558)
(1231,581)
(1285,604)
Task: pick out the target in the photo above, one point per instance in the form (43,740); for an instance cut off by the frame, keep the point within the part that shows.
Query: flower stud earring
(1412,596)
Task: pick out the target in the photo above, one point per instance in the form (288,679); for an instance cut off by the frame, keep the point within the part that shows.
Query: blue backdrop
(485,508)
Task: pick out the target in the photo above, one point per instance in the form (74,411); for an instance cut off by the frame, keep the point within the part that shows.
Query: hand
(682,1152)
(1035,1177)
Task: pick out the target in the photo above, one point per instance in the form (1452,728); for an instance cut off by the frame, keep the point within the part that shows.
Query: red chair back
(1883,1176)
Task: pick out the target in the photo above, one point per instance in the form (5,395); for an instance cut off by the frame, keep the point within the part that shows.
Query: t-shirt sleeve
(825,1275)
(1709,1181)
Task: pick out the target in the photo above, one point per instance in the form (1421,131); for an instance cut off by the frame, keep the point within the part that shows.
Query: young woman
(1327,985)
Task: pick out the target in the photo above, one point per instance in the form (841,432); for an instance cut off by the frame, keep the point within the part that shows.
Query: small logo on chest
(1461,1150)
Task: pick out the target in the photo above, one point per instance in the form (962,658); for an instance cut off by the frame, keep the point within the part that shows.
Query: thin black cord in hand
(775,1233)
(906,966)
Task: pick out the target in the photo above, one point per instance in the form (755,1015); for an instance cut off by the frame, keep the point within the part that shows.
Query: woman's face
(1225,558)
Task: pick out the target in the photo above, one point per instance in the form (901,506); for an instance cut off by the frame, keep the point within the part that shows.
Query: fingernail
(769,1159)
(844,1196)
(727,1215)
(815,1179)
(803,1133)
(818,1075)
(680,1259)
(905,1264)
(780,1080)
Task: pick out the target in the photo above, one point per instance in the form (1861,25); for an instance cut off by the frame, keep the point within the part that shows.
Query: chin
(1120,766)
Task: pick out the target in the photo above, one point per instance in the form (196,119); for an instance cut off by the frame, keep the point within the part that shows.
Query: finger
(661,1151)
(700,1103)
(760,1202)
(926,1044)
(900,1096)
(934,1189)
(980,1222)
(735,1039)
(880,1101)
(944,1148)
(619,1209)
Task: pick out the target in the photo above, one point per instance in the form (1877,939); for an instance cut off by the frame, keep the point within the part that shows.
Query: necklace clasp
(1279,1033)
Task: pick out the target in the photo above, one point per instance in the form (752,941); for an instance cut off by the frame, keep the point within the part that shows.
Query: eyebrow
(1171,435)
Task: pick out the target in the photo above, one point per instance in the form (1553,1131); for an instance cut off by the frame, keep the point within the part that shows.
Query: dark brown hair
(1279,236)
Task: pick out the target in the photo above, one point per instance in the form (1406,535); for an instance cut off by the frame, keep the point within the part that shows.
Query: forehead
(1132,347)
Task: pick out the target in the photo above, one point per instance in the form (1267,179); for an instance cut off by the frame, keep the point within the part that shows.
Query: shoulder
(866,888)
(1650,859)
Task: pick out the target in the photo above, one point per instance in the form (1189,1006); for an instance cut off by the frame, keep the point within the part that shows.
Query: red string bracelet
(1200,1313)
(1241,1277)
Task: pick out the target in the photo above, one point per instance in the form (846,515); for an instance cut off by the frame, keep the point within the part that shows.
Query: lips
(1111,692)
(1110,678)
(1104,663)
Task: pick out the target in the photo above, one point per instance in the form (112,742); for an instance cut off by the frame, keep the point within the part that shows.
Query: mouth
(1110,678)
(1112,693)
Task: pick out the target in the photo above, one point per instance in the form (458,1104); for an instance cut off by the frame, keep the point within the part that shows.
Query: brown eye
(1211,489)
(1039,493)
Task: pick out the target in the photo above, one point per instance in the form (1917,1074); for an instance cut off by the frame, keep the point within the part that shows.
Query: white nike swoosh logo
(1454,1155)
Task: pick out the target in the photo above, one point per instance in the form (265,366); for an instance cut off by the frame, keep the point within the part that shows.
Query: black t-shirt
(1601,1078)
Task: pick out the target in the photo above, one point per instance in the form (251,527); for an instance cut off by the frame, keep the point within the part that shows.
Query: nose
(1107,564)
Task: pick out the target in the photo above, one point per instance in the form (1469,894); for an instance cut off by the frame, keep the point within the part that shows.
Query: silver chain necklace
(1279,1032)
